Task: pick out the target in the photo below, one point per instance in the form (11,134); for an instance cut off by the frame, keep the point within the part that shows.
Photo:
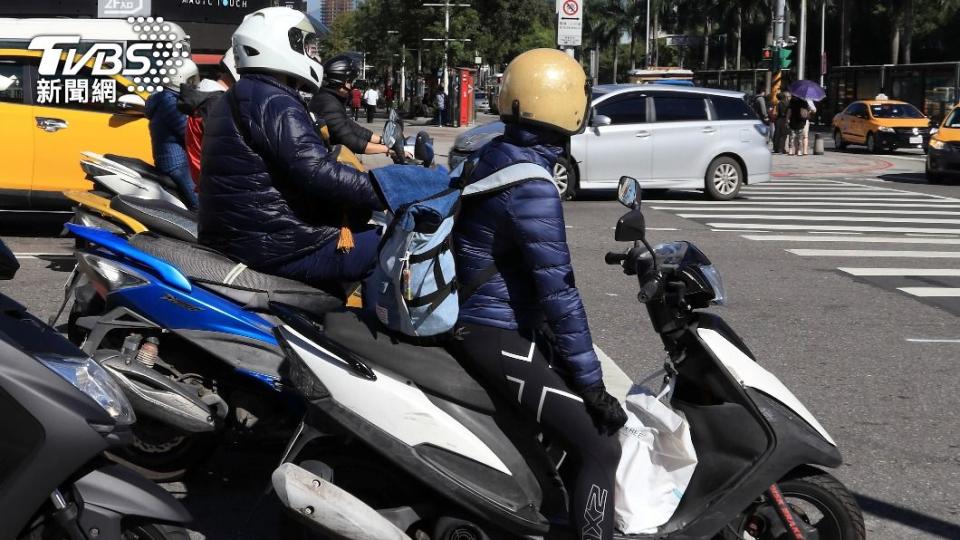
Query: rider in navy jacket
(272,195)
(534,283)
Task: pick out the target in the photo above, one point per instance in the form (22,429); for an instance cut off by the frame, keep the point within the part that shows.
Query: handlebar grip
(613,257)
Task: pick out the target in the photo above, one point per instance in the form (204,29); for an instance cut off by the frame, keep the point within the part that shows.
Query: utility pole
(446,5)
(646,46)
(823,33)
(802,55)
(778,21)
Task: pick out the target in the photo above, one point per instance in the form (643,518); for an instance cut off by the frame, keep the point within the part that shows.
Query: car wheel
(838,143)
(932,177)
(724,178)
(565,177)
(871,143)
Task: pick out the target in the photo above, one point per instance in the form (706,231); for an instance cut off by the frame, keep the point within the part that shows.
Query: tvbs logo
(105,59)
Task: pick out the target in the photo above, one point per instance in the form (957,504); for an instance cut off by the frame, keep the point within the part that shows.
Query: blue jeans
(326,265)
(185,186)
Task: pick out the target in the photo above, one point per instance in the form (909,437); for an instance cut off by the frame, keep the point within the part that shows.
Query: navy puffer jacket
(274,193)
(167,130)
(521,229)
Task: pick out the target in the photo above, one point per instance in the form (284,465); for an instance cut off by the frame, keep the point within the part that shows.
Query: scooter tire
(828,495)
(168,464)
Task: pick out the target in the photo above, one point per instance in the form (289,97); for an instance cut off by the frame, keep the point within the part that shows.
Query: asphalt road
(819,287)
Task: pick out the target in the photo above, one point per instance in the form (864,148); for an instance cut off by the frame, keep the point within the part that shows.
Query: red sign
(570,8)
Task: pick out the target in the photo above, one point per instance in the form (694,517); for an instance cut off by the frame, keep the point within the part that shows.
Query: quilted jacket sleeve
(343,130)
(298,151)
(537,218)
(172,120)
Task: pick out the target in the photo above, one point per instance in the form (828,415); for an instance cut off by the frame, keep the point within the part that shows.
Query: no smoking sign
(571,8)
(569,23)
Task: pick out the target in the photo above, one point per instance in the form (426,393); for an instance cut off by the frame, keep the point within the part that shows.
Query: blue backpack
(414,285)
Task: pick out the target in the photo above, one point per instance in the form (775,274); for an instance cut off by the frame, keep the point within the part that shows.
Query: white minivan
(667,137)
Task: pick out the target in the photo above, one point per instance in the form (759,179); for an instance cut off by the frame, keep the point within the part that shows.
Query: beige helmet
(547,88)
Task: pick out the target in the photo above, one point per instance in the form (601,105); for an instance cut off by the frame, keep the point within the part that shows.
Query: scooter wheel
(162,454)
(818,499)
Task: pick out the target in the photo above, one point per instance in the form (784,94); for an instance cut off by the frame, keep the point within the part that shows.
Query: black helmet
(340,70)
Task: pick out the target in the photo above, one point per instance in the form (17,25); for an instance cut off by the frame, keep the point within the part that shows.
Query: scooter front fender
(112,493)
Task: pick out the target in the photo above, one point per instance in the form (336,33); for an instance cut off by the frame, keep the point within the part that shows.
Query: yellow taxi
(41,138)
(881,124)
(943,155)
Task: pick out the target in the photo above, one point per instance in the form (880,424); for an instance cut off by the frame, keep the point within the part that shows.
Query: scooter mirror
(390,133)
(628,192)
(131,104)
(8,262)
(631,227)
(423,148)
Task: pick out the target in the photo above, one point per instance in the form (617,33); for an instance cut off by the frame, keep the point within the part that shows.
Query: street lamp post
(646,47)
(446,5)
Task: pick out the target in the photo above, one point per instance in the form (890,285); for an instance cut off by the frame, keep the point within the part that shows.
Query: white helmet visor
(305,43)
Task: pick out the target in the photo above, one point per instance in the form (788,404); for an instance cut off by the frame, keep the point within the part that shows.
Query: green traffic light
(784,58)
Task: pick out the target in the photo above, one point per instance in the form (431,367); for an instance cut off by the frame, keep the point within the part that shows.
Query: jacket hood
(191,99)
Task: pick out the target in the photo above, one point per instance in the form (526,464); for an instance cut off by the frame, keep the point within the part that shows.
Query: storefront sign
(121,9)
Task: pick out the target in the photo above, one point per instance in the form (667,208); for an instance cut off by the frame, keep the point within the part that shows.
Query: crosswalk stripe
(749,203)
(837,228)
(932,292)
(810,189)
(850,199)
(898,211)
(838,238)
(902,272)
(826,194)
(875,253)
(933,221)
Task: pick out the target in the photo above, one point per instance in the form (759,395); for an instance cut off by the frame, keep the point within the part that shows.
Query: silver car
(667,137)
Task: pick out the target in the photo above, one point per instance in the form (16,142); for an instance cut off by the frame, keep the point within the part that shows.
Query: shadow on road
(908,517)
(904,178)
(32,224)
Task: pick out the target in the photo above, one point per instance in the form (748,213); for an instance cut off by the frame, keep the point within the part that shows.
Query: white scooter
(399,442)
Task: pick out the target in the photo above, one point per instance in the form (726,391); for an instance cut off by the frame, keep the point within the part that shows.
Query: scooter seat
(431,368)
(145,170)
(159,216)
(218,273)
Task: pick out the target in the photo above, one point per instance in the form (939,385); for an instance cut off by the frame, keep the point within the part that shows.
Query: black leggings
(509,362)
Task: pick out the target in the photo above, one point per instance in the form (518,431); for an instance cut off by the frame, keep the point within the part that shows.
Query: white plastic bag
(657,462)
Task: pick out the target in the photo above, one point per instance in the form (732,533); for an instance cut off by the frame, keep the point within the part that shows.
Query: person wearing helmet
(196,102)
(523,329)
(168,129)
(329,105)
(272,196)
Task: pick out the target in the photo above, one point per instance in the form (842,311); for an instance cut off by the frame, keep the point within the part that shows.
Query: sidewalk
(443,137)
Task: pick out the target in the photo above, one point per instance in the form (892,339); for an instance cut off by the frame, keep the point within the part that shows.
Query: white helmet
(188,70)
(229,61)
(279,40)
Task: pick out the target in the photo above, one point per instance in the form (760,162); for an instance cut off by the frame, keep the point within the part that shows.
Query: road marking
(733,230)
(662,229)
(734,208)
(907,158)
(42,255)
(838,228)
(932,292)
(845,238)
(614,378)
(853,199)
(932,221)
(748,204)
(901,272)
(933,340)
(875,253)
(826,194)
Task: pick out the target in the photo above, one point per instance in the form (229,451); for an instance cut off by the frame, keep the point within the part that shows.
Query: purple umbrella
(808,90)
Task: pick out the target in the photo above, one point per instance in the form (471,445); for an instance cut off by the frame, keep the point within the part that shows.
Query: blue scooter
(187,334)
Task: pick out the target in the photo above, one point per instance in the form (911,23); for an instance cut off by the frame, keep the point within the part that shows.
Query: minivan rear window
(732,108)
(680,109)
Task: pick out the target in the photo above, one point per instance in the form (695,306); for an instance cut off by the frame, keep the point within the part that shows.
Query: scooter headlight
(91,379)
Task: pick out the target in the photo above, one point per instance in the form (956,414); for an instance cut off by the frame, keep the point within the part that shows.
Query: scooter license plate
(916,140)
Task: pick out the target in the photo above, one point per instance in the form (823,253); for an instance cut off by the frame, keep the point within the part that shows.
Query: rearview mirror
(8,262)
(628,192)
(131,104)
(390,133)
(423,148)
(599,120)
(631,227)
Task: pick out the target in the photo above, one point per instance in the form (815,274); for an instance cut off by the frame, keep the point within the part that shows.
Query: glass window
(732,108)
(11,81)
(895,110)
(680,108)
(953,121)
(630,109)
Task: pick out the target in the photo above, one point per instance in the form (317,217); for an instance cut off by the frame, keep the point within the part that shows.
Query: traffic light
(784,60)
(766,59)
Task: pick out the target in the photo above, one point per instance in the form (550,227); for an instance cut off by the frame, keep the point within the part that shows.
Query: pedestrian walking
(441,103)
(370,98)
(798,118)
(356,97)
(782,110)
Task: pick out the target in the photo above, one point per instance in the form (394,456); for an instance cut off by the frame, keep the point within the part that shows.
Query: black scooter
(60,411)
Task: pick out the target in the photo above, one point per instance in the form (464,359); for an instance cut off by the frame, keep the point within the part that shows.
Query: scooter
(61,411)
(431,454)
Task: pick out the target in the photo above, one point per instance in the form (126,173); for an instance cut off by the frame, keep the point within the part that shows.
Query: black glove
(605,410)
